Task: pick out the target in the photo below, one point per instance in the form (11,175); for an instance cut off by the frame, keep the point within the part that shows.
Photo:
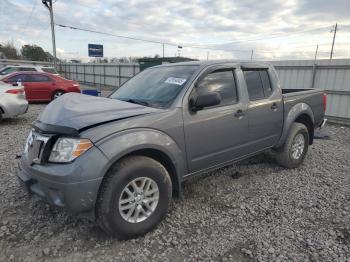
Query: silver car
(12,101)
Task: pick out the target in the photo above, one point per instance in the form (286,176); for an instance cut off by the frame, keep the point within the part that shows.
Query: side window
(254,85)
(39,78)
(26,69)
(264,75)
(17,78)
(8,70)
(49,70)
(222,82)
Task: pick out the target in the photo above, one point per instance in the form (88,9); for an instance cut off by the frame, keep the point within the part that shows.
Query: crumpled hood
(80,111)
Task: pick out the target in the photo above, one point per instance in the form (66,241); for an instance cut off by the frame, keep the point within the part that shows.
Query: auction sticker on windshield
(175,81)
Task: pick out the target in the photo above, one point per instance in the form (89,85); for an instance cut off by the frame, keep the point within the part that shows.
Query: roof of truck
(205,63)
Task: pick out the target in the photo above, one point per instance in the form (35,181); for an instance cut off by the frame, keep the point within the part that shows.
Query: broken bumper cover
(73,186)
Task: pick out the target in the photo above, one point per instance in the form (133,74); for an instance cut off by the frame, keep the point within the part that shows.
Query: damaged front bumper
(73,186)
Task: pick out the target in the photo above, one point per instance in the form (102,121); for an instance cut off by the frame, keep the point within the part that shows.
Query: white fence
(331,76)
(99,74)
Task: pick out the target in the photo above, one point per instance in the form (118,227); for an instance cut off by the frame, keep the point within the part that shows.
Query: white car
(12,101)
(15,68)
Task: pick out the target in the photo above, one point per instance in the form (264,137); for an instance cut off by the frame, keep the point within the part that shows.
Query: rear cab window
(258,83)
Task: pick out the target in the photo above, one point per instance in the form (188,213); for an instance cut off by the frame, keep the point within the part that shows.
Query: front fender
(125,142)
(296,111)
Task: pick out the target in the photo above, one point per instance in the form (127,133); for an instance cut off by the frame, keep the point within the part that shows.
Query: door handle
(274,106)
(239,113)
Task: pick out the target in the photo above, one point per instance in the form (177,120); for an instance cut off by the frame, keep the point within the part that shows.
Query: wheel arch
(55,91)
(300,113)
(306,120)
(166,161)
(146,142)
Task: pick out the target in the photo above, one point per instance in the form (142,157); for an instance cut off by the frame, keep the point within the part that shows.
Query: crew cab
(119,160)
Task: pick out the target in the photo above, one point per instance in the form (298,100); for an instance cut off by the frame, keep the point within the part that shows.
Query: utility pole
(163,50)
(316,54)
(335,33)
(251,56)
(208,55)
(48,4)
(314,69)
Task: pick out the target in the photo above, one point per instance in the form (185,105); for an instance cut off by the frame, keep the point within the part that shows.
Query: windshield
(8,70)
(155,87)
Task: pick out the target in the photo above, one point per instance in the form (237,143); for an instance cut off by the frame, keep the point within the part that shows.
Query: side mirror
(205,100)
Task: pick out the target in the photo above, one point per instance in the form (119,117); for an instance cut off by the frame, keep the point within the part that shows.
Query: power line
(197,46)
(163,42)
(115,35)
(277,35)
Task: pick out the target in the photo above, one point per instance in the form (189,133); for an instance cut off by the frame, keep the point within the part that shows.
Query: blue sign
(95,50)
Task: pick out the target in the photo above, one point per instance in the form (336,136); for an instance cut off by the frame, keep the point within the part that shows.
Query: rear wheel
(294,150)
(134,197)
(57,94)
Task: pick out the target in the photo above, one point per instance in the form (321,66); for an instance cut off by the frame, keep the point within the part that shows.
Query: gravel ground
(251,211)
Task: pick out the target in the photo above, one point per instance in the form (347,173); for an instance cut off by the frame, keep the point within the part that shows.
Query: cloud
(220,24)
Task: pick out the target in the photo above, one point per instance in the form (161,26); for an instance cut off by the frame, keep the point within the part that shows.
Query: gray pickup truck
(119,160)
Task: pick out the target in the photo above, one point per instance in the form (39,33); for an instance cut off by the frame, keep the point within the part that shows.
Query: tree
(35,53)
(9,50)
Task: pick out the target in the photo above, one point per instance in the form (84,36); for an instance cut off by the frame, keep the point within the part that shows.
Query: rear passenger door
(218,134)
(265,109)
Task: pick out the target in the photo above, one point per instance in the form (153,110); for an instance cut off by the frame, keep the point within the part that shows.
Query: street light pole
(49,5)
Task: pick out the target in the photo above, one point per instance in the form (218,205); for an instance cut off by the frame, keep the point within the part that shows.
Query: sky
(220,29)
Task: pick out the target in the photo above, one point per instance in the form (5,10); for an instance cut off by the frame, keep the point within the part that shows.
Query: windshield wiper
(137,101)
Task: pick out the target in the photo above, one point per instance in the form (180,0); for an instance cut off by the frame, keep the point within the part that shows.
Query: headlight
(68,149)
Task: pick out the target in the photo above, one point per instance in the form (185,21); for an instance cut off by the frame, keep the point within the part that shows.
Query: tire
(110,215)
(57,94)
(292,157)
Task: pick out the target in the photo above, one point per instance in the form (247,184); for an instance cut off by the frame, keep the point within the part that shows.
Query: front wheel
(57,94)
(134,197)
(294,150)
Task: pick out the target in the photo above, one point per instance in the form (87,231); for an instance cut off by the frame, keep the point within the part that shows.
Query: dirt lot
(254,210)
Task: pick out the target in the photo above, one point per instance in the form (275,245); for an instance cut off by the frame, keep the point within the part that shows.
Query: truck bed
(312,97)
(288,91)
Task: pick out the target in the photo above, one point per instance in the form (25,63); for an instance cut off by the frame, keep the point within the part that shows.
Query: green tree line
(27,52)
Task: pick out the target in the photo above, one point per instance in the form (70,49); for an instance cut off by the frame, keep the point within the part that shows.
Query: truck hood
(79,111)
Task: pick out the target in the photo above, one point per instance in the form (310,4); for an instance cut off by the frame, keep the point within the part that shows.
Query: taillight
(15,91)
(324,101)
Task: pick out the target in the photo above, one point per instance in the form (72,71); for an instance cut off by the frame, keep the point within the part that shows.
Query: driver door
(218,134)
